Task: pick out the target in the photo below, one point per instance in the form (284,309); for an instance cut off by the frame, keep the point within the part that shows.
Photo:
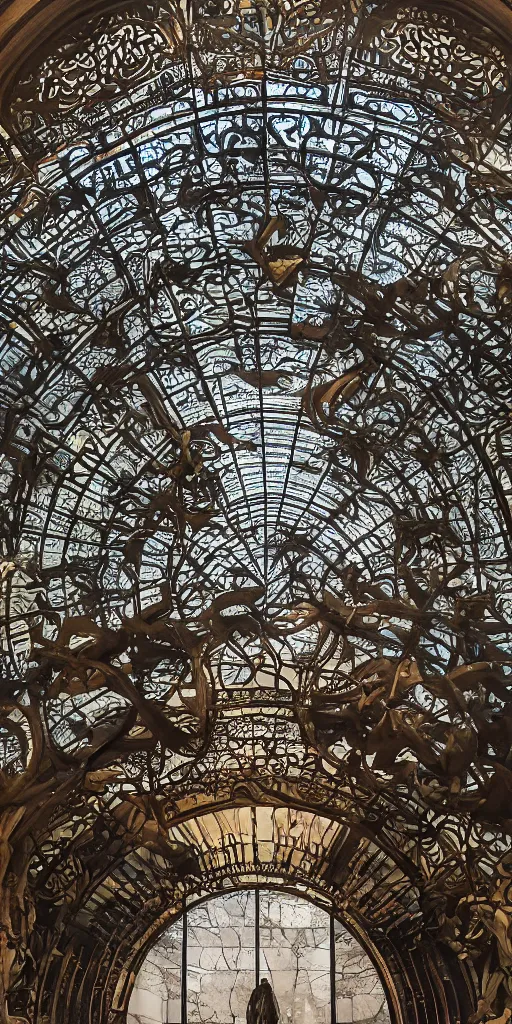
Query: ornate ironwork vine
(255,338)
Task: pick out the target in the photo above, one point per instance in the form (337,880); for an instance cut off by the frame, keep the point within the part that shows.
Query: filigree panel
(256,297)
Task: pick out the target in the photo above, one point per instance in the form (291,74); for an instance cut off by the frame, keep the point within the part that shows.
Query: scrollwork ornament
(255,544)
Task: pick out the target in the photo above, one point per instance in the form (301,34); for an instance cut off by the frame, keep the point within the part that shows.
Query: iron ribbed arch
(91,971)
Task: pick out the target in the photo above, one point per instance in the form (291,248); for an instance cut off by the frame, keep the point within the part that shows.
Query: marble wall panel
(360,997)
(294,944)
(156,997)
(221,960)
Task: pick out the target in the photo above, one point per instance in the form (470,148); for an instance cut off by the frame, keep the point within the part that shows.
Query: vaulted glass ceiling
(262,330)
(256,315)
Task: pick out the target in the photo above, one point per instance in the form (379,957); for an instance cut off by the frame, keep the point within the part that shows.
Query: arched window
(203,968)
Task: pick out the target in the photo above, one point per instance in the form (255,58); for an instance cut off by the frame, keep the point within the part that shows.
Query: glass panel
(294,945)
(156,996)
(221,959)
(221,966)
(359,993)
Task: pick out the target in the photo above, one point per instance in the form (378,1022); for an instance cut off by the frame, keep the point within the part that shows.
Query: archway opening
(204,966)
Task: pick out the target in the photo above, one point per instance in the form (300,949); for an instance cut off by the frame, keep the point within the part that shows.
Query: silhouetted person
(263,1007)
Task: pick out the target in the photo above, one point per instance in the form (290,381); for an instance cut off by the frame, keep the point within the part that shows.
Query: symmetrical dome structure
(256,536)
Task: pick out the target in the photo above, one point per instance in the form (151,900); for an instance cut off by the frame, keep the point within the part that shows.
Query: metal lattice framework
(256,538)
